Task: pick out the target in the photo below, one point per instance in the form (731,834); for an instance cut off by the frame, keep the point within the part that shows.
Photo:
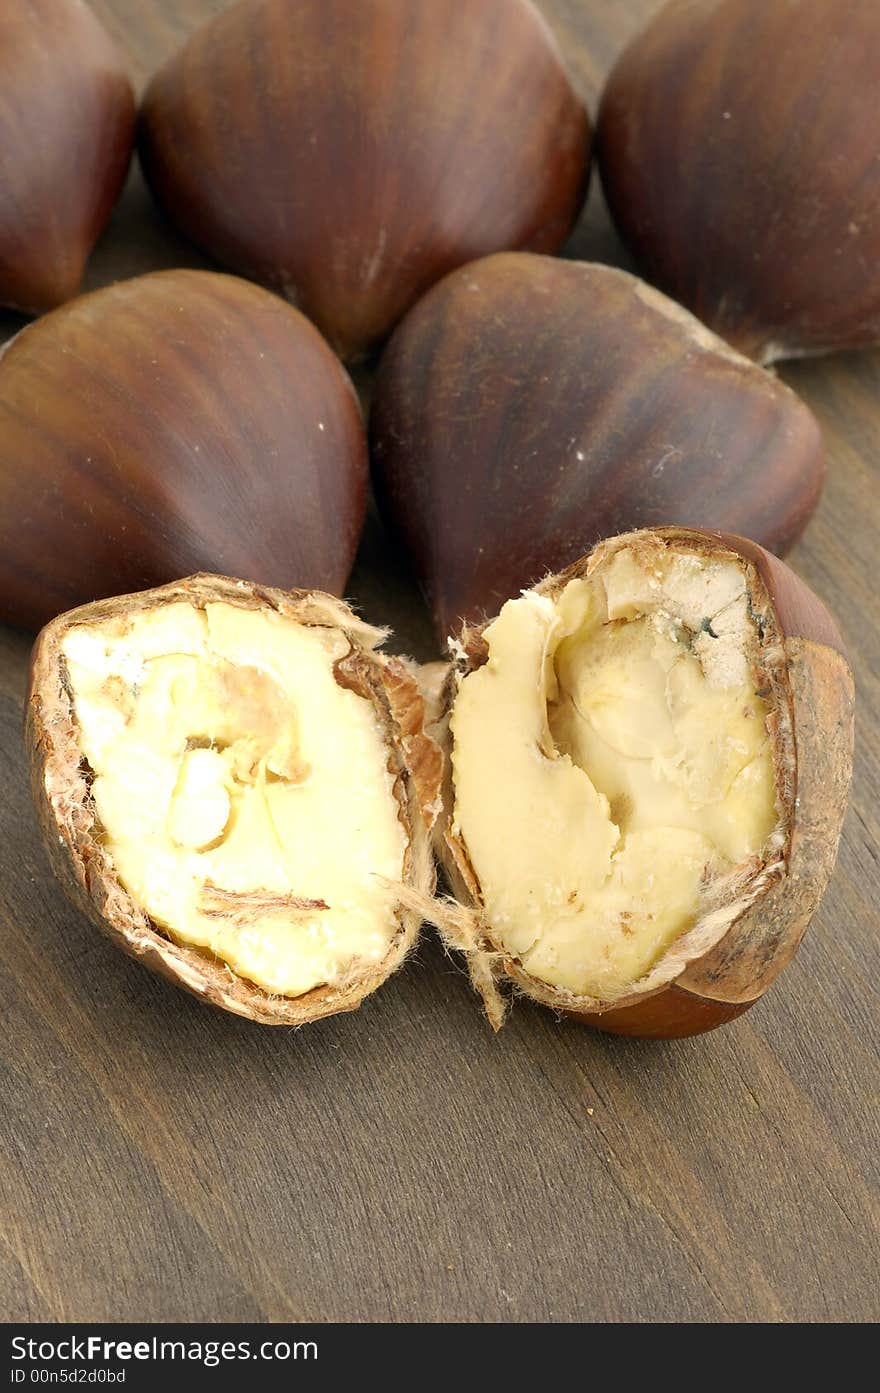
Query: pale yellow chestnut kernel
(611,760)
(201,802)
(243,796)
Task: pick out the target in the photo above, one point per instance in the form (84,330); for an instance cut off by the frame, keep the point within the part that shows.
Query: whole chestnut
(178,420)
(229,780)
(739,153)
(67,119)
(649,758)
(350,152)
(527,407)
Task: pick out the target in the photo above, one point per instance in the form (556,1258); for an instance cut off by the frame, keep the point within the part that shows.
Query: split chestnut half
(528,407)
(229,780)
(67,121)
(177,422)
(738,147)
(649,758)
(351,152)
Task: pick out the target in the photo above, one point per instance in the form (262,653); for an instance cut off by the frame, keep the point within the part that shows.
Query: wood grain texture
(158,1160)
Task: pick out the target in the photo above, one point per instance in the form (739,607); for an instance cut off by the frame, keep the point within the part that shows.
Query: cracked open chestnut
(738,146)
(528,407)
(351,152)
(229,780)
(67,118)
(649,758)
(635,777)
(179,421)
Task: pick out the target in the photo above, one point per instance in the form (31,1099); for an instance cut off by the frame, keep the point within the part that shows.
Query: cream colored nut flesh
(612,766)
(242,794)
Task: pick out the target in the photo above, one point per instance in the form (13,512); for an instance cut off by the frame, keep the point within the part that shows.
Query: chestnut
(229,781)
(649,758)
(349,153)
(67,121)
(176,421)
(737,141)
(528,407)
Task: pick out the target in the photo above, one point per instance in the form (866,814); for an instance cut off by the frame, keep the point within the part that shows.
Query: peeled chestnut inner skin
(614,773)
(241,794)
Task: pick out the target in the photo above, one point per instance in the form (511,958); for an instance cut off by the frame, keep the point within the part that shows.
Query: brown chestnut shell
(528,407)
(709,982)
(67,121)
(67,820)
(737,143)
(350,152)
(177,422)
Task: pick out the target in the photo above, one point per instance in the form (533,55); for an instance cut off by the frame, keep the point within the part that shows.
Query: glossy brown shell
(528,407)
(67,116)
(177,422)
(66,815)
(727,961)
(351,152)
(738,148)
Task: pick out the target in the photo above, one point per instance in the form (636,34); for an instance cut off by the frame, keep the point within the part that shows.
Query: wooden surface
(160,1161)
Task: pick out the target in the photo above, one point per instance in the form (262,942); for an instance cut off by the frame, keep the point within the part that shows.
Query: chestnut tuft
(649,759)
(67,119)
(177,421)
(528,407)
(229,781)
(737,142)
(351,152)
